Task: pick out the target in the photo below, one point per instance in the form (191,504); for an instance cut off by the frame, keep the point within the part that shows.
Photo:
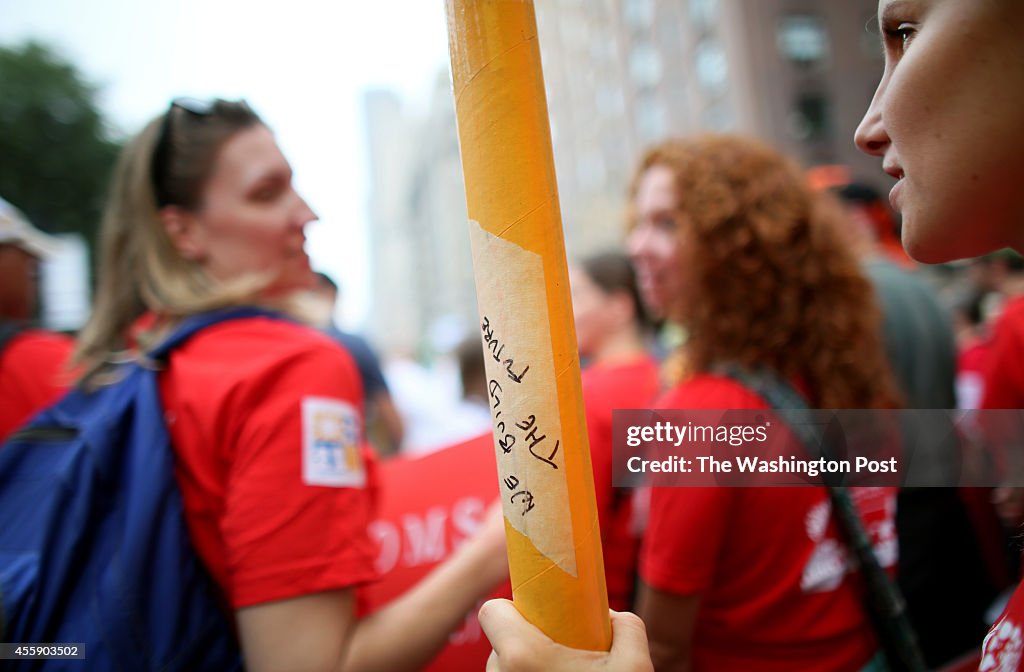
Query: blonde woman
(203,214)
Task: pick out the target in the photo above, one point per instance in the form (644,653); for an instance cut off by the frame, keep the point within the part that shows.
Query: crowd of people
(325,555)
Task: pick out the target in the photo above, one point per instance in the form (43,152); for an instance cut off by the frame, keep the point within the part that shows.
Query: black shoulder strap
(8,330)
(885,603)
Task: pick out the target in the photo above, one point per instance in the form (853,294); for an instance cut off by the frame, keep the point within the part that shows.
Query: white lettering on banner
(330,444)
(425,537)
(389,544)
(467,516)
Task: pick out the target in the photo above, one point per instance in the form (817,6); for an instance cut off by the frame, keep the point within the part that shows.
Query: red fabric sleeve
(238,397)
(32,376)
(1004,370)
(284,537)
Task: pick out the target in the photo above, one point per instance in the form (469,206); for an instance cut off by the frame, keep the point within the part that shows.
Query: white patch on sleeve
(330,444)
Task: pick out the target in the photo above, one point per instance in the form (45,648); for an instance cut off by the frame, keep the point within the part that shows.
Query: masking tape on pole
(526,324)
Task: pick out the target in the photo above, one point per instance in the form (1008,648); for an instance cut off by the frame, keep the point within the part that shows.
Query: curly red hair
(777,283)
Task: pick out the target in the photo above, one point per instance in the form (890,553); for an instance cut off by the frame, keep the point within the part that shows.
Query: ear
(620,306)
(186,233)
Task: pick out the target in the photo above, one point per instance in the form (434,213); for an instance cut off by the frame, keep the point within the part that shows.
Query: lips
(895,193)
(895,170)
(644,277)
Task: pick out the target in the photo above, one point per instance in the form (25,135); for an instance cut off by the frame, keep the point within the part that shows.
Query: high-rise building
(623,74)
(620,75)
(423,290)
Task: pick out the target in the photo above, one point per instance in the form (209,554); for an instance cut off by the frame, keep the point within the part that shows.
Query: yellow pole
(526,324)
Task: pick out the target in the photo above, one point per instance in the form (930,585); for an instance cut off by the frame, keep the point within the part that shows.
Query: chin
(926,254)
(941,246)
(653,303)
(298,280)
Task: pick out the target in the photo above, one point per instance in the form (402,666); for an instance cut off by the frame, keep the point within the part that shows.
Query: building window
(645,65)
(802,39)
(639,14)
(712,65)
(811,119)
(703,12)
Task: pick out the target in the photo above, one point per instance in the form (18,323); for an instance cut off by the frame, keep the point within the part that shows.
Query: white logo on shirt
(1002,648)
(830,560)
(330,444)
(827,565)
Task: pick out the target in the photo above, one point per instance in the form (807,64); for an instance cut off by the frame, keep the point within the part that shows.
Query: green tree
(56,155)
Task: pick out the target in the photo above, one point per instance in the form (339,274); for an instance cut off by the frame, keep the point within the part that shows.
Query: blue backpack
(94,548)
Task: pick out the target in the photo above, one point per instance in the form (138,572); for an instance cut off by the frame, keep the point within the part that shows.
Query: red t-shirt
(32,376)
(274,474)
(1003,650)
(606,387)
(427,506)
(767,563)
(1004,362)
(1004,389)
(970,373)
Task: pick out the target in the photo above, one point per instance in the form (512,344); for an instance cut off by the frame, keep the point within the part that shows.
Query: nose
(639,241)
(303,214)
(871,136)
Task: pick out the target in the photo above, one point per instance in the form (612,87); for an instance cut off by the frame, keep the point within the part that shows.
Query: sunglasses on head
(197,107)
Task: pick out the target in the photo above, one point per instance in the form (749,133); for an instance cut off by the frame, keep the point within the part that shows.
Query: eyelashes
(899,22)
(902,34)
(896,37)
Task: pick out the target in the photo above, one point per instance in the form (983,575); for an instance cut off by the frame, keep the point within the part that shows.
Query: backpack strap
(885,604)
(779,394)
(195,323)
(8,330)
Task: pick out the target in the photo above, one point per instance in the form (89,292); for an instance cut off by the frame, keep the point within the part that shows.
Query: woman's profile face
(654,243)
(948,122)
(251,220)
(592,311)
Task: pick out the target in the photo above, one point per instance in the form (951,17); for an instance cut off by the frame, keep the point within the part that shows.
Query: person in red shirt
(264,413)
(729,241)
(1003,367)
(32,361)
(958,168)
(619,373)
(946,120)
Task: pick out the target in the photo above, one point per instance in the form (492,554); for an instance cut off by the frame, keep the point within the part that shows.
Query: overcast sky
(302,65)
